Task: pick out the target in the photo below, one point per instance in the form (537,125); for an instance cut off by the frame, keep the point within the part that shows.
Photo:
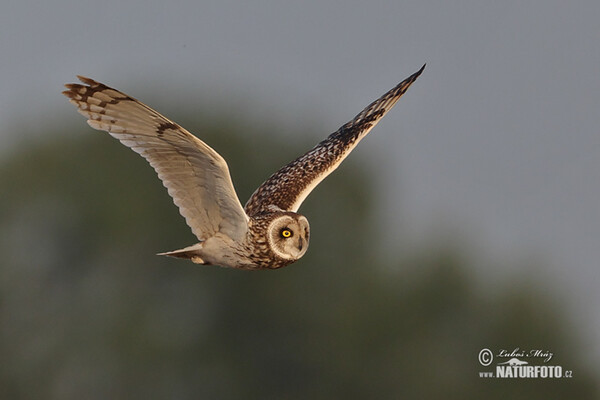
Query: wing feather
(196,176)
(287,188)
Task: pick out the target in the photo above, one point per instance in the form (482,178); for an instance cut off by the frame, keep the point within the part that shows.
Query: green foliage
(88,311)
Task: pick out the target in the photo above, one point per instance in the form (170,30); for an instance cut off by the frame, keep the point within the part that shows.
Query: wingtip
(68,93)
(86,80)
(414,76)
(75,86)
(419,72)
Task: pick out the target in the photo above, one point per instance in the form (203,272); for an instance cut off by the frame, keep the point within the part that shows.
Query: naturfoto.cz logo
(520,364)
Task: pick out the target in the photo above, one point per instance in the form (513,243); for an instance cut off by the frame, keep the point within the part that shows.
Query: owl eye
(286,233)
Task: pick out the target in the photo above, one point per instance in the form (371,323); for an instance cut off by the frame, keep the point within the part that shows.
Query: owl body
(273,240)
(267,233)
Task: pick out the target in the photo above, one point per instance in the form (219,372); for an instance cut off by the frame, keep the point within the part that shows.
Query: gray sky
(497,142)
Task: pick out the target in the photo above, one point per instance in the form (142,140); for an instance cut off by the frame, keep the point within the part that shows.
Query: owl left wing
(196,176)
(287,188)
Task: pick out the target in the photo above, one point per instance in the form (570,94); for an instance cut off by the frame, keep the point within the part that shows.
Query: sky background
(495,146)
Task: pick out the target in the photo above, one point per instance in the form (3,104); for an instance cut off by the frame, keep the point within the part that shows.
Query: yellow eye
(286,233)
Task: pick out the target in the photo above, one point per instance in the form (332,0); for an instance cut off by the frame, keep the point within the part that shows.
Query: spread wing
(196,176)
(287,188)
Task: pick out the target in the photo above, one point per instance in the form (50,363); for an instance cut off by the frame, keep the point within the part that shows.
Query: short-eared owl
(268,232)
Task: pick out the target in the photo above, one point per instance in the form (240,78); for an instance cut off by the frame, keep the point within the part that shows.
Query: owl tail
(189,253)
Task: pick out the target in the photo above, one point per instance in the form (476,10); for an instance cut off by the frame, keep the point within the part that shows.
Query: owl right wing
(287,188)
(196,176)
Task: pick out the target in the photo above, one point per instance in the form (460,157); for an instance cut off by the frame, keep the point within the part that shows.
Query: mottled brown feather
(287,188)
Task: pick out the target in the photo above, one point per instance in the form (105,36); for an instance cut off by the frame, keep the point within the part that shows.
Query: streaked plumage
(267,233)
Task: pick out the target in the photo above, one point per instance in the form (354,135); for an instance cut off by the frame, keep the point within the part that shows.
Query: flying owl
(267,233)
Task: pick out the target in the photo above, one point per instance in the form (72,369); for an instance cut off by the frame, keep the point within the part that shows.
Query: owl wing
(196,176)
(287,188)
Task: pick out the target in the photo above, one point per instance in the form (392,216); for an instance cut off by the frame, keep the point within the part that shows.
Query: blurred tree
(88,311)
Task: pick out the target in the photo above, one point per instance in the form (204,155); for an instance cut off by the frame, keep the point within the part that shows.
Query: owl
(268,232)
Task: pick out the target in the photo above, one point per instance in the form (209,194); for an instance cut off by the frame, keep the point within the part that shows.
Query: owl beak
(301,244)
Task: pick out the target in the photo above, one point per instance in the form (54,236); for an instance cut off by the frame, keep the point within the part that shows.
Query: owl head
(287,234)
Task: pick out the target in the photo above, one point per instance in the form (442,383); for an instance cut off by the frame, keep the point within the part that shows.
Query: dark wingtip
(87,81)
(416,74)
(410,80)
